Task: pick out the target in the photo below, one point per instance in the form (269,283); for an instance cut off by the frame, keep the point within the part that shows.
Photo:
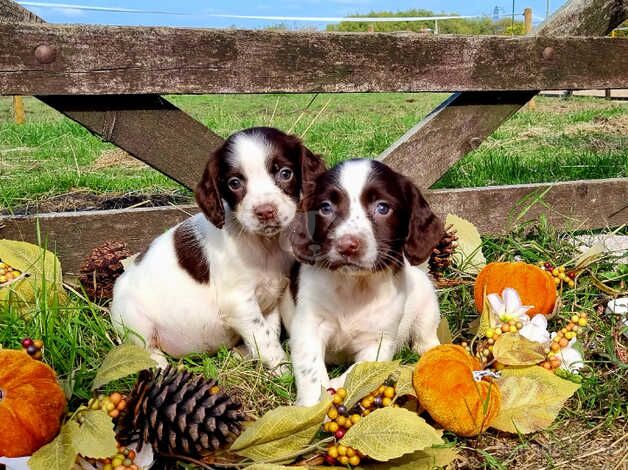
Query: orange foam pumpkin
(444,383)
(534,286)
(31,404)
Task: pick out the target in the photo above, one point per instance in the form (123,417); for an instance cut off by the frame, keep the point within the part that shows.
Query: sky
(197,13)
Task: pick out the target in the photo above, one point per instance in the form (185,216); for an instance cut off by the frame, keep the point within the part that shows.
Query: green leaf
(59,454)
(404,384)
(512,349)
(531,398)
(426,459)
(388,433)
(468,257)
(366,377)
(443,332)
(281,432)
(95,437)
(43,269)
(121,361)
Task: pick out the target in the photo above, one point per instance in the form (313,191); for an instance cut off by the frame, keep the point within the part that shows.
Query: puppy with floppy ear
(358,294)
(217,277)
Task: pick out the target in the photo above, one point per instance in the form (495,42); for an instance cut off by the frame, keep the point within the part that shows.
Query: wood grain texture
(148,127)
(465,119)
(130,60)
(578,204)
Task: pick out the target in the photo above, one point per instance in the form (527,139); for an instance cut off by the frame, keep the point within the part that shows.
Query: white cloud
(71,12)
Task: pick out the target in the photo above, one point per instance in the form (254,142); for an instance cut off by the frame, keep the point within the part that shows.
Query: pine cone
(101,268)
(179,414)
(440,259)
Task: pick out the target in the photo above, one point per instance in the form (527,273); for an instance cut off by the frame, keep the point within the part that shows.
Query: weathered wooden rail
(109,79)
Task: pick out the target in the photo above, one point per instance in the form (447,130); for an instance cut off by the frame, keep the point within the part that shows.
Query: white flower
(570,358)
(508,307)
(536,330)
(619,307)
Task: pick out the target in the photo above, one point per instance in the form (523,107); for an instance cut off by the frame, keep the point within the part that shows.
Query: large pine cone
(101,268)
(440,259)
(179,414)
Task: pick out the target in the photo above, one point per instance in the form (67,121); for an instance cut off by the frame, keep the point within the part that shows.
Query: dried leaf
(512,349)
(281,431)
(468,257)
(426,459)
(443,332)
(121,361)
(589,255)
(404,384)
(531,398)
(95,437)
(388,433)
(43,269)
(59,454)
(366,377)
(486,319)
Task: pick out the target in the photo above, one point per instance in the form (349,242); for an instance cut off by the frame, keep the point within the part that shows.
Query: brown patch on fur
(190,254)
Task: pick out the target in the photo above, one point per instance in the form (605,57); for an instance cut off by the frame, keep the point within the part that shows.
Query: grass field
(560,140)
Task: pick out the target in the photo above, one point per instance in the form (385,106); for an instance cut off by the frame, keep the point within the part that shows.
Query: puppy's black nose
(348,245)
(266,212)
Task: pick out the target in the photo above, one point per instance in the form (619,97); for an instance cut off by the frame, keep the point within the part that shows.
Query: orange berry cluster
(112,404)
(123,460)
(559,274)
(7,273)
(33,347)
(341,419)
(576,323)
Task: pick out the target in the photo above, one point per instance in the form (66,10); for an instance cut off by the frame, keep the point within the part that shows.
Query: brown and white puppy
(218,276)
(358,295)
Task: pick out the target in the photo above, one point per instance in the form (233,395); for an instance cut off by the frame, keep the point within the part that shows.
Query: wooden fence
(109,79)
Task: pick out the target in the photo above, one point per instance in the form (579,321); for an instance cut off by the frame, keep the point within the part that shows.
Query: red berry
(571,275)
(330,460)
(548,266)
(26,342)
(340,433)
(331,391)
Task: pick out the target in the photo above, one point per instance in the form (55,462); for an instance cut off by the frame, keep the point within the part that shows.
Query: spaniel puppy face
(259,173)
(362,216)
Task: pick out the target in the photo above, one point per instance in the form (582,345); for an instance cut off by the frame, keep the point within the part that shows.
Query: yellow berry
(582,322)
(214,390)
(556,338)
(332,413)
(115,398)
(389,392)
(3,279)
(348,423)
(381,389)
(563,330)
(555,272)
(337,400)
(355,418)
(575,318)
(366,412)
(513,329)
(490,348)
(114,413)
(490,332)
(326,426)
(546,365)
(583,315)
(333,426)
(366,402)
(350,452)
(342,450)
(355,460)
(333,452)
(107,466)
(386,401)
(341,392)
(570,334)
(343,460)
(519,325)
(110,406)
(498,331)
(571,283)
(341,420)
(561,269)
(117,461)
(555,347)
(563,342)
(556,280)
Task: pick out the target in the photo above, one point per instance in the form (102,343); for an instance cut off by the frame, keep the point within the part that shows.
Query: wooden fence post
(18,110)
(527,24)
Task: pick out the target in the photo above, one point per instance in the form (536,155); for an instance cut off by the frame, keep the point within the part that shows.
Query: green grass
(561,140)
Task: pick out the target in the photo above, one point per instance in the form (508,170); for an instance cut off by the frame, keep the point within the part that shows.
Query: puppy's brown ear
(302,228)
(425,228)
(207,193)
(312,166)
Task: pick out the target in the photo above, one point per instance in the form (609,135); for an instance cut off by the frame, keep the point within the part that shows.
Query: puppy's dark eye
(234,183)
(326,209)
(285,174)
(382,208)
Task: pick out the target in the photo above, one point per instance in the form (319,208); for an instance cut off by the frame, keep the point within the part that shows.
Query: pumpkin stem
(2,393)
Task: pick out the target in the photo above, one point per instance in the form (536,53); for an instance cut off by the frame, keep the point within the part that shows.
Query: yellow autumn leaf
(468,256)
(531,398)
(443,332)
(43,276)
(426,459)
(404,384)
(388,433)
(366,377)
(281,431)
(512,349)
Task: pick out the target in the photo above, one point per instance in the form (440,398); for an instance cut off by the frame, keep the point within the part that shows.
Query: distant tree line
(455,26)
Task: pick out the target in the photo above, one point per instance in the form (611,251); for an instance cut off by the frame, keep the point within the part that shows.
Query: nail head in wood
(548,53)
(45,54)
